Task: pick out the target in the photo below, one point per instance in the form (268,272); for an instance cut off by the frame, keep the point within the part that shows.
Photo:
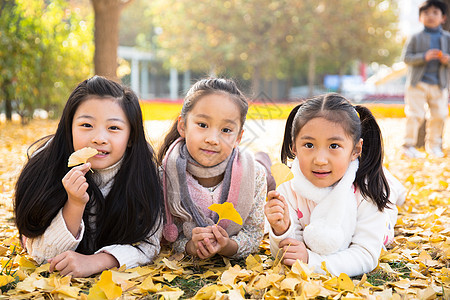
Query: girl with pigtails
(340,207)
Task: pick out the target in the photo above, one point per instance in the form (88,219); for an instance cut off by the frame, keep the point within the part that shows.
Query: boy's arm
(410,55)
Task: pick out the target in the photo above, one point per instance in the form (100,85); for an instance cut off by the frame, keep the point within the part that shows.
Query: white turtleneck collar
(104,178)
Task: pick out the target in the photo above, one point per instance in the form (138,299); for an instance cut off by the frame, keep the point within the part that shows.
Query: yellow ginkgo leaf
(281,173)
(5,279)
(226,211)
(95,292)
(108,286)
(81,156)
(345,283)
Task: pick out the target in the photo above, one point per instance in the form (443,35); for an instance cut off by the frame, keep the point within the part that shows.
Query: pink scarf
(178,202)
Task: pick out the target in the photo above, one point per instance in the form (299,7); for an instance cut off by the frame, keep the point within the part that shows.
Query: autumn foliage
(415,266)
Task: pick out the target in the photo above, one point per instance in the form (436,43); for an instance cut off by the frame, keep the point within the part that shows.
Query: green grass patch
(192,285)
(379,277)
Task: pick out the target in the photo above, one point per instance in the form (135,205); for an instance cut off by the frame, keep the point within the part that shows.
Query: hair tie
(357,113)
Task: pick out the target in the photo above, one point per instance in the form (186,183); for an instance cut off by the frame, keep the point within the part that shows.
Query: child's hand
(217,243)
(444,58)
(277,212)
(79,265)
(433,54)
(292,250)
(222,244)
(199,236)
(76,186)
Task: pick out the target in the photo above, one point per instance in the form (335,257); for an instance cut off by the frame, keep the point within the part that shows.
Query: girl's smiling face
(324,151)
(212,129)
(101,123)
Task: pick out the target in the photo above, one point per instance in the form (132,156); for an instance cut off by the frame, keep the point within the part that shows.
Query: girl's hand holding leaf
(292,250)
(76,186)
(219,244)
(211,240)
(199,236)
(277,212)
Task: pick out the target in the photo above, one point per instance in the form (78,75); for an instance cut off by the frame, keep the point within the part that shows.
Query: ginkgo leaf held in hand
(81,156)
(281,173)
(226,211)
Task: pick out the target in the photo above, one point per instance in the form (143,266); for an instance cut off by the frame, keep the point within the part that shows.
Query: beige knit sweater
(58,239)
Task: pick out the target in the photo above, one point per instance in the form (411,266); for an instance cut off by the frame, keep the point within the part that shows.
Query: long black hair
(130,212)
(202,88)
(370,177)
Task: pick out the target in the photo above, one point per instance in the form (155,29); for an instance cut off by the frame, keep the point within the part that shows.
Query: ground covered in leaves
(416,266)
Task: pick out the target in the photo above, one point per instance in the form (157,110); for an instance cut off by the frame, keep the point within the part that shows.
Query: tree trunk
(311,73)
(256,87)
(274,90)
(8,101)
(287,87)
(8,108)
(341,79)
(106,36)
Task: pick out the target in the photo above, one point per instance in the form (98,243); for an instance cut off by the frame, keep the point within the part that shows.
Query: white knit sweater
(58,239)
(372,227)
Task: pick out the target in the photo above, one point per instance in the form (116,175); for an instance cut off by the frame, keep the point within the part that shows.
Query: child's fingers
(275,210)
(84,168)
(289,242)
(272,194)
(279,201)
(202,230)
(288,261)
(79,183)
(221,236)
(57,263)
(65,271)
(200,254)
(274,207)
(209,247)
(203,250)
(202,235)
(219,231)
(74,180)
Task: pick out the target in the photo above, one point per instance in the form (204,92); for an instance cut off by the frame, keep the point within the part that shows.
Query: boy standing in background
(427,57)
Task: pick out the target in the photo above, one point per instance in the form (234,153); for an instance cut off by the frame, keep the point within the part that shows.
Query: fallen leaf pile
(415,266)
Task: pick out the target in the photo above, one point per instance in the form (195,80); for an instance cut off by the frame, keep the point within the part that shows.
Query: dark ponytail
(170,137)
(370,176)
(288,140)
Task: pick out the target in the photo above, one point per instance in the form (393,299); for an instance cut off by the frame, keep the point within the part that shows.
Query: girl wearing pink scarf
(202,165)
